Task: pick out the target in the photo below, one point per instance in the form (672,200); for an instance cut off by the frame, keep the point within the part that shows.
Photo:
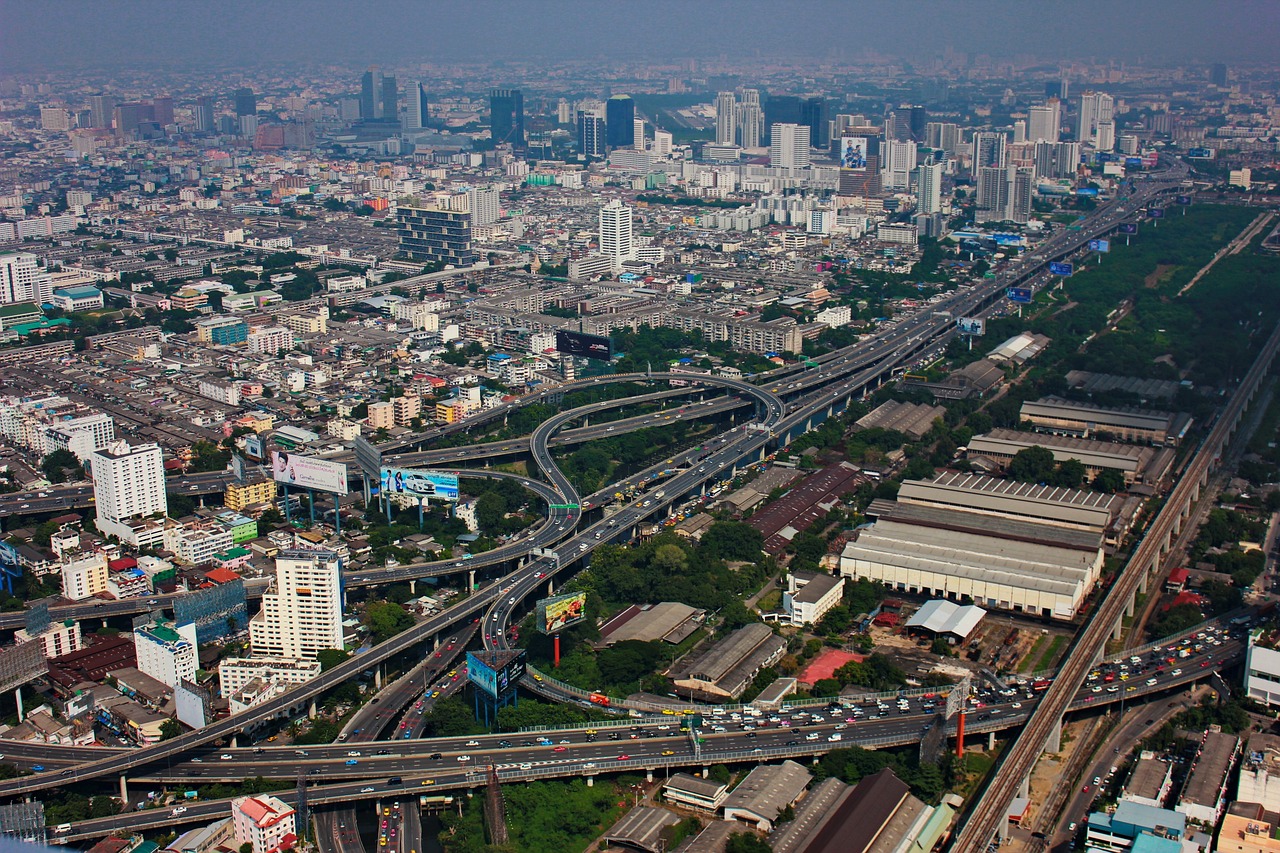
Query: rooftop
(769,788)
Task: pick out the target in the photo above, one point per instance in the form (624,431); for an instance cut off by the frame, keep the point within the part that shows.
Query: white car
(177,810)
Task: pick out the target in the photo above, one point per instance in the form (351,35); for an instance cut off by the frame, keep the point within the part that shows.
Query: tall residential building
(564,112)
(726,118)
(19,274)
(85,577)
(1218,75)
(789,146)
(167,652)
(1021,189)
(370,94)
(592,140)
(55,118)
(942,135)
(899,161)
(991,192)
(989,149)
(128,483)
(101,110)
(202,114)
(638,133)
(917,121)
(1019,132)
(929,187)
(436,235)
(390,100)
(1044,122)
(750,119)
(485,204)
(246,102)
(1056,160)
(301,611)
(162,107)
(417,116)
(617,243)
(1105,138)
(813,114)
(661,143)
(506,117)
(619,120)
(1095,108)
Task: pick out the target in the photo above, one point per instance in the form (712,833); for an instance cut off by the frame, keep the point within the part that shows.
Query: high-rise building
(1020,132)
(991,193)
(1056,160)
(128,117)
(162,110)
(55,118)
(128,483)
(943,136)
(390,99)
(1095,108)
(789,146)
(591,134)
(1044,122)
(989,149)
(19,272)
(917,121)
(202,114)
(564,112)
(417,116)
(370,94)
(246,102)
(781,109)
(726,118)
(485,205)
(750,119)
(1021,187)
(437,235)
(661,143)
(1218,75)
(638,133)
(1105,138)
(617,242)
(167,652)
(506,117)
(863,182)
(929,187)
(619,120)
(813,114)
(101,110)
(301,611)
(899,161)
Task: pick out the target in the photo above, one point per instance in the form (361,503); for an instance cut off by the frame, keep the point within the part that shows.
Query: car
(624,757)
(560,749)
(352,762)
(464,758)
(473,743)
(226,756)
(1086,789)
(177,810)
(353,753)
(428,781)
(366,790)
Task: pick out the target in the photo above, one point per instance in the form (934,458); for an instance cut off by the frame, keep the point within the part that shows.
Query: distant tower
(417,115)
(1218,75)
(726,116)
(813,113)
(619,119)
(750,119)
(616,239)
(246,102)
(101,108)
(929,187)
(390,100)
(203,114)
(789,146)
(506,117)
(591,134)
(370,93)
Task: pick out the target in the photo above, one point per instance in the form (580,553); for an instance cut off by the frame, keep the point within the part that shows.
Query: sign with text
(561,611)
(1018,294)
(1061,268)
(422,484)
(308,472)
(1099,245)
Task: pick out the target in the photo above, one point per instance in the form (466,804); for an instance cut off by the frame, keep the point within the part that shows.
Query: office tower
(55,118)
(564,112)
(416,115)
(591,134)
(101,109)
(301,611)
(781,109)
(128,483)
(1105,138)
(990,174)
(1021,184)
(1019,132)
(246,102)
(1044,121)
(485,205)
(247,126)
(897,126)
(506,117)
(19,272)
(390,100)
(1053,89)
(899,161)
(1056,160)
(929,187)
(1095,108)
(370,94)
(864,181)
(228,125)
(917,121)
(726,116)
(129,117)
(638,133)
(167,652)
(813,114)
(1064,89)
(202,114)
(619,121)
(989,149)
(436,235)
(941,135)
(789,146)
(617,242)
(162,108)
(750,119)
(661,143)
(1218,75)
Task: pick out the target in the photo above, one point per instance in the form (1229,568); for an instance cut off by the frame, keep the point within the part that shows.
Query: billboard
(1128,228)
(1200,153)
(238,468)
(1133,163)
(1061,268)
(561,611)
(853,153)
(253,447)
(1182,199)
(496,681)
(1091,192)
(1018,294)
(308,472)
(422,484)
(1155,212)
(971,326)
(1099,245)
(584,345)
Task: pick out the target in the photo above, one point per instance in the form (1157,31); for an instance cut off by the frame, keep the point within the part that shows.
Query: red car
(560,749)
(624,757)
(1085,789)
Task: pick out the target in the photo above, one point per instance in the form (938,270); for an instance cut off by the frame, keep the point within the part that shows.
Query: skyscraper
(991,175)
(989,149)
(619,119)
(1218,75)
(726,118)
(370,94)
(101,108)
(506,117)
(417,116)
(301,611)
(163,110)
(899,159)
(19,272)
(750,119)
(616,240)
(202,114)
(917,121)
(942,135)
(246,102)
(485,204)
(1056,159)
(781,109)
(128,483)
(813,114)
(929,187)
(1095,108)
(661,143)
(789,146)
(591,134)
(390,100)
(1044,121)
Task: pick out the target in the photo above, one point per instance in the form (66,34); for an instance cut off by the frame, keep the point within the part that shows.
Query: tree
(1108,480)
(746,842)
(1032,465)
(271,517)
(731,540)
(329,658)
(1070,474)
(207,456)
(385,619)
(491,508)
(58,464)
(735,615)
(169,729)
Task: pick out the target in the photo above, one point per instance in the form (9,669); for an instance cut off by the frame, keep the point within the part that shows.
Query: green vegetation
(385,619)
(1029,662)
(1046,659)
(61,465)
(542,817)
(927,781)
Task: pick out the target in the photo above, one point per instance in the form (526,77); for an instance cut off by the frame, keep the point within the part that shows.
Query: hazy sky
(38,35)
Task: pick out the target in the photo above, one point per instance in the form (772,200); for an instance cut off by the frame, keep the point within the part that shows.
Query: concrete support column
(591,781)
(377,678)
(312,711)
(1144,582)
(17,696)
(1024,790)
(1128,607)
(471,580)
(1117,631)
(1054,743)
(1003,832)
(413,586)
(435,643)
(648,774)
(235,741)
(706,771)
(551,588)
(991,740)
(124,789)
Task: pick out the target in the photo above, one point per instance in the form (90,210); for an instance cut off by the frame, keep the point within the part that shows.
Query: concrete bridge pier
(706,771)
(17,696)
(312,710)
(377,679)
(435,643)
(235,741)
(1054,742)
(648,775)
(124,789)
(1024,790)
(1117,631)
(1129,605)
(551,588)
(471,580)
(1144,582)
(591,781)
(991,741)
(413,586)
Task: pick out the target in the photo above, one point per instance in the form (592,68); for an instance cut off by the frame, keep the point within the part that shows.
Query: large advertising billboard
(1155,212)
(971,326)
(422,484)
(308,472)
(1099,245)
(1182,199)
(1018,294)
(561,611)
(1061,268)
(1128,228)
(496,681)
(584,345)
(1200,153)
(853,153)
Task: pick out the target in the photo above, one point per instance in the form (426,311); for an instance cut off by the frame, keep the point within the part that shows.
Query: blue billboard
(422,484)
(1200,153)
(1018,294)
(1155,212)
(1061,268)
(496,681)
(1099,245)
(1091,192)
(1133,162)
(1128,228)
(1183,199)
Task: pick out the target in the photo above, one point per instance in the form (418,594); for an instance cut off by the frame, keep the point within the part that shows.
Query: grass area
(771,600)
(1032,656)
(1056,646)
(976,767)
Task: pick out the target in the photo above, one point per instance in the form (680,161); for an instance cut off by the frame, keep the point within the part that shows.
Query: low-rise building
(694,792)
(726,669)
(810,595)
(167,652)
(267,823)
(250,493)
(85,577)
(765,792)
(1204,796)
(57,639)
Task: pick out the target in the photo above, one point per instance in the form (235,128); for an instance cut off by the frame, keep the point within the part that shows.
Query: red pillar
(960,736)
(557,650)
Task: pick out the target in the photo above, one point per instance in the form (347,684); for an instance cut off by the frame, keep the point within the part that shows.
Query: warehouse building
(1141,426)
(669,621)
(911,419)
(1010,564)
(726,669)
(1138,464)
(941,619)
(765,792)
(1204,796)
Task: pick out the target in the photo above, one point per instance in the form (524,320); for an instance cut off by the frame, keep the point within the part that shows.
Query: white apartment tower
(1096,108)
(617,242)
(929,187)
(726,118)
(168,653)
(662,144)
(19,273)
(789,146)
(485,205)
(899,161)
(128,482)
(1044,122)
(751,119)
(301,611)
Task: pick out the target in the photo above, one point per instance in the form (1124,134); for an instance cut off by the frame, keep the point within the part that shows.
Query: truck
(598,699)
